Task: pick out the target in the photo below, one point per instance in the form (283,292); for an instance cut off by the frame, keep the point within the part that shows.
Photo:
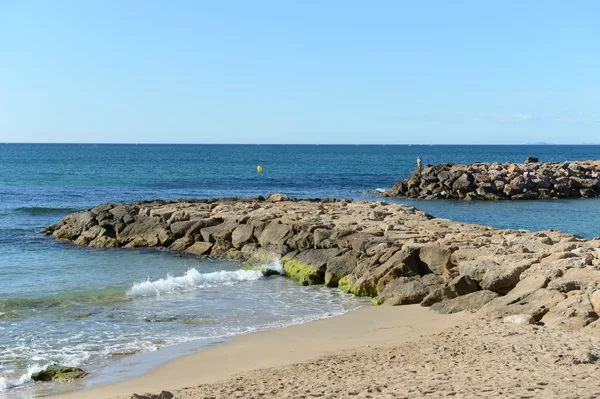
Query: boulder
(163,213)
(179,229)
(221,232)
(470,302)
(58,374)
(91,234)
(432,280)
(365,285)
(73,225)
(438,294)
(199,248)
(536,304)
(403,263)
(147,230)
(595,300)
(464,184)
(437,259)
(492,276)
(181,244)
(301,241)
(462,285)
(523,289)
(104,242)
(340,266)
(277,197)
(308,267)
(404,291)
(242,235)
(275,235)
(577,279)
(574,312)
(322,238)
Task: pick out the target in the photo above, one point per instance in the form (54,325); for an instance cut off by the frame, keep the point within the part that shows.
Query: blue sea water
(88,307)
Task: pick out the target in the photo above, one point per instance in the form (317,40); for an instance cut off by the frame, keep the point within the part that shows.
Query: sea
(116,313)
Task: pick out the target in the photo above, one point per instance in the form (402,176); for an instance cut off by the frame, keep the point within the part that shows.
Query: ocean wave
(40,211)
(193,279)
(12,381)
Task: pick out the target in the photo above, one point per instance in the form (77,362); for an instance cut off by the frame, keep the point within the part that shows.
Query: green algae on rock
(58,374)
(345,284)
(303,273)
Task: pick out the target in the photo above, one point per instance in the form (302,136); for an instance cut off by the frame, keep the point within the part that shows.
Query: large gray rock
(403,263)
(462,285)
(277,197)
(73,225)
(219,232)
(340,266)
(574,312)
(470,302)
(524,288)
(242,235)
(199,248)
(404,291)
(437,259)
(438,294)
(492,276)
(536,304)
(179,229)
(147,231)
(301,241)
(464,184)
(274,236)
(577,279)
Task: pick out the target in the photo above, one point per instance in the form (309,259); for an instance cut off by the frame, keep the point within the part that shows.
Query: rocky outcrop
(502,181)
(393,253)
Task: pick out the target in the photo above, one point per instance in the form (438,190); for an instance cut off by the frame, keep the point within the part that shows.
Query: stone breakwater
(502,181)
(394,253)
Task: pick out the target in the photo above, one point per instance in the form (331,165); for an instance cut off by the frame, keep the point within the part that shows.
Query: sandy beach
(545,284)
(361,330)
(381,352)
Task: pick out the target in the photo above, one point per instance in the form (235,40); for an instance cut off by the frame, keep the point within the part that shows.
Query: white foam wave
(7,382)
(274,265)
(193,279)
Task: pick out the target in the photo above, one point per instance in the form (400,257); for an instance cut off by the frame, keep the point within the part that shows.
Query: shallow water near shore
(91,308)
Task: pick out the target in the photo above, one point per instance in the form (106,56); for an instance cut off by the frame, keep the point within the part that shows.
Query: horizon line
(299,144)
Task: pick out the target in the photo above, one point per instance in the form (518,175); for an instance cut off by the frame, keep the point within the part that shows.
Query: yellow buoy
(259,169)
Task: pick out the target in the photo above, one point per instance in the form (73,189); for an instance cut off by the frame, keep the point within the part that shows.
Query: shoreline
(533,283)
(366,327)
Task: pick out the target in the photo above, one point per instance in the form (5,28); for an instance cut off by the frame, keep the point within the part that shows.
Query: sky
(310,71)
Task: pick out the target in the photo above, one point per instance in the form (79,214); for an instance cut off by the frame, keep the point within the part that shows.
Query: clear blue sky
(300,71)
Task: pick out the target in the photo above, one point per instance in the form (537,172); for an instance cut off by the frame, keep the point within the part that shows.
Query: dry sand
(383,352)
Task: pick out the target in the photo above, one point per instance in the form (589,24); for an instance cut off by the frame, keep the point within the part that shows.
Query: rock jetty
(502,181)
(393,253)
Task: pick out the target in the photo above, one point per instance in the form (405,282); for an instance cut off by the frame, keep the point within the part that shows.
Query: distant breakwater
(393,253)
(502,181)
